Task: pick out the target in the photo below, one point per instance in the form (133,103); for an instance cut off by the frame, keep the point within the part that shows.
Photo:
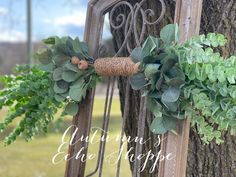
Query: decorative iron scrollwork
(129,21)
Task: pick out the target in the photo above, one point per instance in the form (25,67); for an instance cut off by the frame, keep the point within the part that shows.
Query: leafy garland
(35,94)
(28,95)
(187,80)
(180,80)
(63,60)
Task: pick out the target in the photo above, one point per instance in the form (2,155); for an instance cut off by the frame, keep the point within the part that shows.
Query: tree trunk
(203,160)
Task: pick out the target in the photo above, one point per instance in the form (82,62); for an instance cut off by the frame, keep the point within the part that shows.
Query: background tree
(203,160)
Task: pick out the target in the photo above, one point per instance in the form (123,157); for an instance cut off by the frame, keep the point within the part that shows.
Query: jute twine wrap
(117,66)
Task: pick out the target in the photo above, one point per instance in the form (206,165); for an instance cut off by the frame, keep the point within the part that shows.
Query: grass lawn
(34,159)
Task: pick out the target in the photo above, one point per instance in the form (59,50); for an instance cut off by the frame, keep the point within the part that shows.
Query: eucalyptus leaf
(65,95)
(172,51)
(59,98)
(57,89)
(149,59)
(161,56)
(80,48)
(137,55)
(169,122)
(65,48)
(60,40)
(44,57)
(223,91)
(176,82)
(69,47)
(71,67)
(149,45)
(168,63)
(170,34)
(69,76)
(84,47)
(57,74)
(154,106)
(151,69)
(75,93)
(154,94)
(157,126)
(78,83)
(160,82)
(62,84)
(171,106)
(152,81)
(192,74)
(161,125)
(78,92)
(171,95)
(231,75)
(176,72)
(138,81)
(71,109)
(233,94)
(60,59)
(50,41)
(77,45)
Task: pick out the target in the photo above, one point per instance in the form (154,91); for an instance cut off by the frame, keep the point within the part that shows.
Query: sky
(49,18)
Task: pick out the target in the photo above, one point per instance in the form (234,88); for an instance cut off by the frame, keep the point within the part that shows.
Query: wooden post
(76,167)
(82,121)
(188,17)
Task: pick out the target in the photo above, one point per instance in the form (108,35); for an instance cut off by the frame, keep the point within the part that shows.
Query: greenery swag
(189,79)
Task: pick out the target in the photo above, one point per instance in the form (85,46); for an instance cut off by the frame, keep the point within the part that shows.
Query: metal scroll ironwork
(129,21)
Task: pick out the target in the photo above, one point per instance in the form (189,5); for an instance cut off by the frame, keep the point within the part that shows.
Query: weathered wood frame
(187,15)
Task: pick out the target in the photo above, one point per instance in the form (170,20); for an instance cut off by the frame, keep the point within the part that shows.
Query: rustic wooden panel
(188,17)
(82,121)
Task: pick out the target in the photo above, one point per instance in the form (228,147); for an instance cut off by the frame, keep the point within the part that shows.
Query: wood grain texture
(188,17)
(82,122)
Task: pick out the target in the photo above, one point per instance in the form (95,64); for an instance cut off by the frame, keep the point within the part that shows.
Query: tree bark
(203,160)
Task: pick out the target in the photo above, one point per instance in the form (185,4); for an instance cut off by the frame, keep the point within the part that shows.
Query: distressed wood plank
(188,17)
(82,121)
(76,168)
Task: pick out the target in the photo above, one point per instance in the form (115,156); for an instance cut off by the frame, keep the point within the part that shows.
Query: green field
(34,159)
